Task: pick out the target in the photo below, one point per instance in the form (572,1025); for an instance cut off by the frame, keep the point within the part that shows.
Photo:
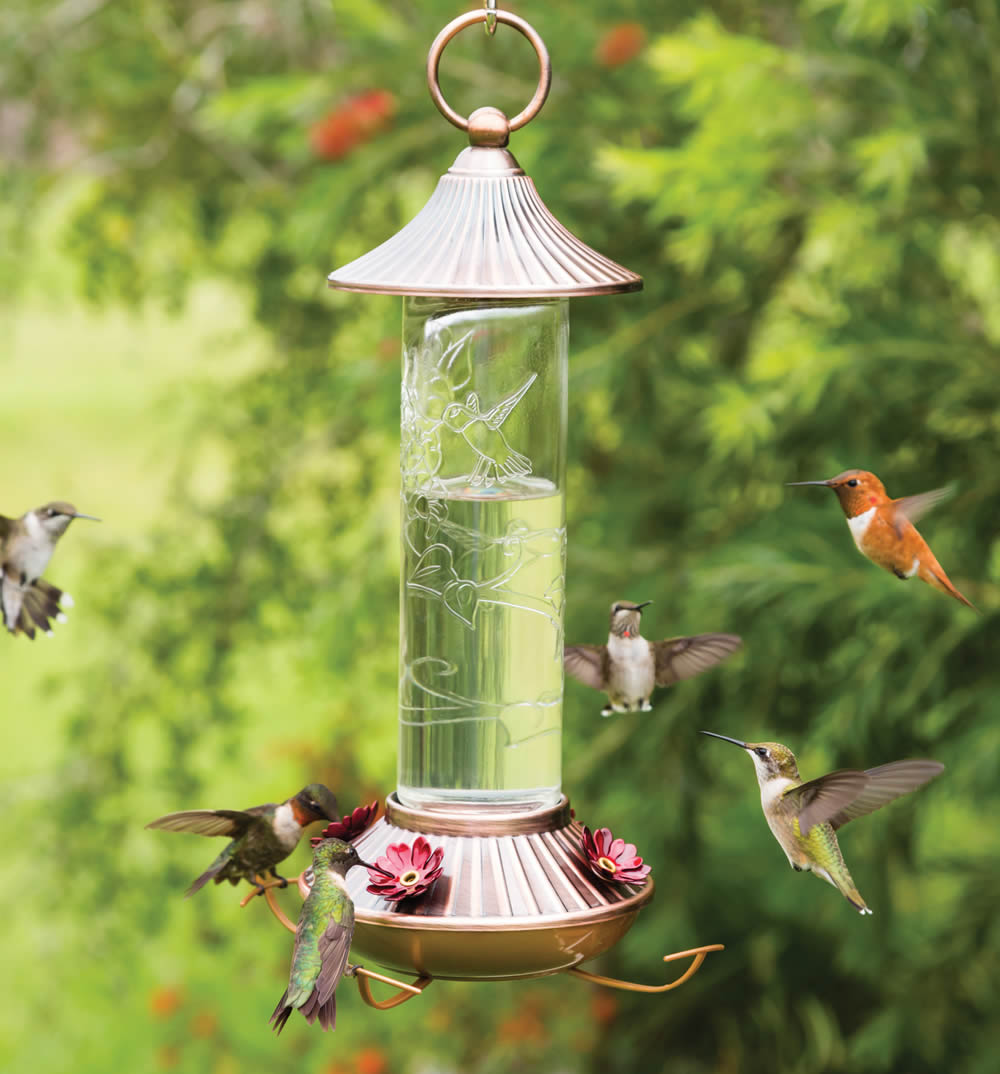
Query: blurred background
(810,191)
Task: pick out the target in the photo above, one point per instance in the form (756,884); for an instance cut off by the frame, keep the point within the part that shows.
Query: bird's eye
(853,482)
(760,751)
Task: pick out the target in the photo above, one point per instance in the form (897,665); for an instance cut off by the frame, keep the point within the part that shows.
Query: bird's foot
(645,706)
(261,885)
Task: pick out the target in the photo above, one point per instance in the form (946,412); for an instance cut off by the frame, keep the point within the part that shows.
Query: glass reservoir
(484,552)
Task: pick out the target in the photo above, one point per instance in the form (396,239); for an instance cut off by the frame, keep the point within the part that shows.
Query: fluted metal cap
(485,232)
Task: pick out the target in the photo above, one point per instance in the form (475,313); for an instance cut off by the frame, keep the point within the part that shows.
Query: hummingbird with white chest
(261,836)
(804,816)
(322,938)
(27,600)
(883,528)
(629,667)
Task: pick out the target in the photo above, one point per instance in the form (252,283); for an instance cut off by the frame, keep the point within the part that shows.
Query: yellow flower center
(607,865)
(409,878)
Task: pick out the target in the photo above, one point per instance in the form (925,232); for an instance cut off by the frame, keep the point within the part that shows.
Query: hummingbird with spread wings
(629,667)
(804,816)
(27,543)
(260,837)
(497,460)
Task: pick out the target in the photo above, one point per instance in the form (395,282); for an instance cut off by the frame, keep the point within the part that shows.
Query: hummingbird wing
(5,526)
(11,600)
(588,664)
(499,414)
(913,508)
(821,799)
(886,783)
(334,947)
(231,822)
(683,658)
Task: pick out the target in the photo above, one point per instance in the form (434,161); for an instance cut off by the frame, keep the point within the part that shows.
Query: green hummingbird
(322,938)
(803,817)
(261,836)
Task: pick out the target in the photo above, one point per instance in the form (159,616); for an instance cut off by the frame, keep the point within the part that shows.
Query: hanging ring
(470,18)
(491,17)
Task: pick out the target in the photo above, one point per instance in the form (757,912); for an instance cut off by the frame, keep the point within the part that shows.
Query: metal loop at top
(469,19)
(491,17)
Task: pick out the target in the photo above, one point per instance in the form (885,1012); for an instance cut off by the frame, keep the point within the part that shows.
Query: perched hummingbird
(629,667)
(883,528)
(322,939)
(26,546)
(262,835)
(804,816)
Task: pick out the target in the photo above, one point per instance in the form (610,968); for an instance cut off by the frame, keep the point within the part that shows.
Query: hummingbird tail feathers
(936,577)
(31,608)
(325,1012)
(845,885)
(211,873)
(281,1013)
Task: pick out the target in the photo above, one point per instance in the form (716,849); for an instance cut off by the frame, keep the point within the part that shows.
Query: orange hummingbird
(883,528)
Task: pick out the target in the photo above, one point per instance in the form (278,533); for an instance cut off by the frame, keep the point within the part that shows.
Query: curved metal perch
(699,954)
(359,973)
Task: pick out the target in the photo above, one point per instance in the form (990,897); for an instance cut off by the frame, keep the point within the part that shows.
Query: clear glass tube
(483,461)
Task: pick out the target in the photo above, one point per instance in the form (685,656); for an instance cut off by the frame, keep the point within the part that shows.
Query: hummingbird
(26,546)
(629,667)
(322,938)
(261,836)
(803,817)
(497,459)
(883,528)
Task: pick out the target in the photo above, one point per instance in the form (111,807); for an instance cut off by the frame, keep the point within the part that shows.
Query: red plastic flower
(350,827)
(408,870)
(613,859)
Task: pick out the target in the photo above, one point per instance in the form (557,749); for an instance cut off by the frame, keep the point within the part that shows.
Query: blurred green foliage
(810,191)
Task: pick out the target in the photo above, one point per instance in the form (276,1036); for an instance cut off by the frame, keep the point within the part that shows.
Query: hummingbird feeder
(486,271)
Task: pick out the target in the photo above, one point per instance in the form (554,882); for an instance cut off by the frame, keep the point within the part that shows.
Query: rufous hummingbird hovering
(26,546)
(322,938)
(883,528)
(629,667)
(803,817)
(261,836)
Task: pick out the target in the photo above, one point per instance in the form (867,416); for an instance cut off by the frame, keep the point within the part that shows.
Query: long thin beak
(827,483)
(93,518)
(726,738)
(639,607)
(377,868)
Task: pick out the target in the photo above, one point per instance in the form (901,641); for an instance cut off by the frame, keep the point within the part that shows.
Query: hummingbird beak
(726,738)
(790,483)
(376,868)
(639,607)
(93,518)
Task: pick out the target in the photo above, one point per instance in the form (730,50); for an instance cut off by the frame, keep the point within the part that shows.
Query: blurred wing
(913,508)
(822,799)
(683,658)
(587,663)
(11,598)
(885,784)
(5,525)
(229,822)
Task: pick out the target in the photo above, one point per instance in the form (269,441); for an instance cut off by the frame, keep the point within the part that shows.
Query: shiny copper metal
(485,233)
(456,26)
(699,954)
(478,820)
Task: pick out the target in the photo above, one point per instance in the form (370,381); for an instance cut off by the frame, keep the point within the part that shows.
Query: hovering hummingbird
(26,546)
(497,459)
(322,939)
(883,528)
(262,835)
(803,817)
(628,668)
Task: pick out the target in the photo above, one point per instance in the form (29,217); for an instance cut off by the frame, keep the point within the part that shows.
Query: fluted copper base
(516,897)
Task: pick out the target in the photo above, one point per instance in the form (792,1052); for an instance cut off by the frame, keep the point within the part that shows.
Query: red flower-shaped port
(613,859)
(350,827)
(408,870)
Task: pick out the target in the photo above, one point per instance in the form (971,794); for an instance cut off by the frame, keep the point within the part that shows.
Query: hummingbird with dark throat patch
(322,938)
(883,528)
(261,836)
(28,601)
(629,667)
(804,816)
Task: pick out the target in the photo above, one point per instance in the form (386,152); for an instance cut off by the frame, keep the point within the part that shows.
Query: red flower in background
(613,859)
(352,123)
(620,44)
(350,827)
(408,870)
